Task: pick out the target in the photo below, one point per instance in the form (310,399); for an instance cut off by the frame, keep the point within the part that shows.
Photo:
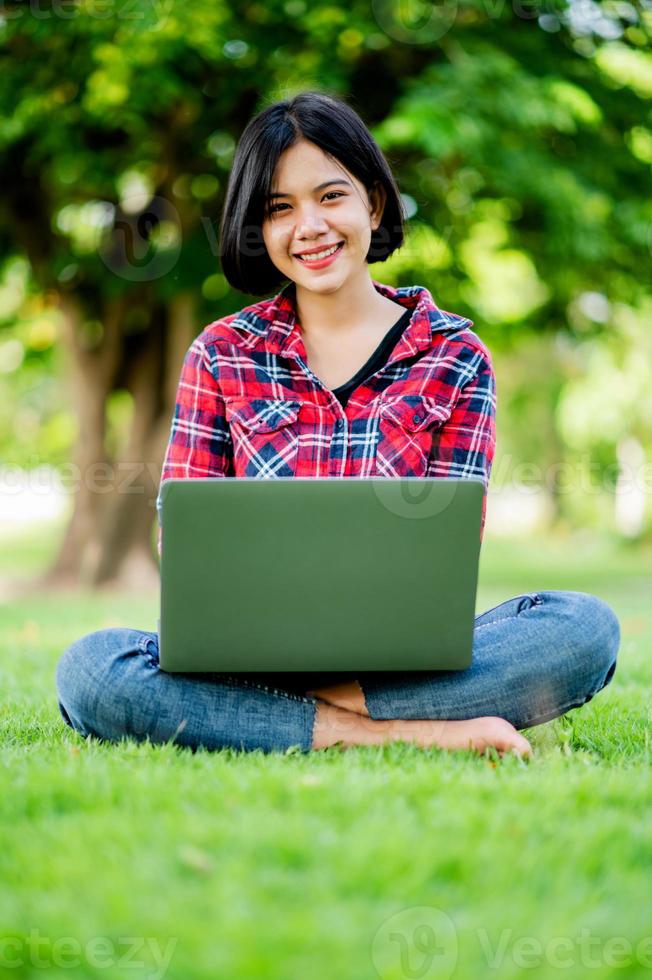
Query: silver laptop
(325,574)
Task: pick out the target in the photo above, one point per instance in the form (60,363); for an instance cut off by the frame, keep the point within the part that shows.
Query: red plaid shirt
(248,405)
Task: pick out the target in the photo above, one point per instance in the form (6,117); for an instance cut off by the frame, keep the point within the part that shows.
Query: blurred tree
(521,140)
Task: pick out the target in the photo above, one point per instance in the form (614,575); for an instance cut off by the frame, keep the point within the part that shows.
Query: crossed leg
(535,656)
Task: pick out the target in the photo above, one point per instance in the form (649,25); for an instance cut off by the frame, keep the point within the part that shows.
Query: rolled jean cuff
(382,693)
(278,720)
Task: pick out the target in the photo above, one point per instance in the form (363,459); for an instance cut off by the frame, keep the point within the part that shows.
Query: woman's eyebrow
(319,187)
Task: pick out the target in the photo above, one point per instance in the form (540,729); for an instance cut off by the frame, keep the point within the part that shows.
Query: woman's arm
(200,440)
(464,445)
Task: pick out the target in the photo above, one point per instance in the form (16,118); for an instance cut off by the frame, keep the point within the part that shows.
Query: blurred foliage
(521,140)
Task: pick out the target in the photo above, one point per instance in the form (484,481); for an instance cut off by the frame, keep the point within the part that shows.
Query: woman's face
(304,216)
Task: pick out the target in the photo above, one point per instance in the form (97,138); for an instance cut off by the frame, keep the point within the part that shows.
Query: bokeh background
(521,139)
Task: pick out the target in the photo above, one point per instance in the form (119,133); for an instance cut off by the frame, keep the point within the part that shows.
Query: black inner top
(379,357)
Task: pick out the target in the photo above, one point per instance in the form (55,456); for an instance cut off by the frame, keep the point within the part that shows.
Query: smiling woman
(337,375)
(317,227)
(307,175)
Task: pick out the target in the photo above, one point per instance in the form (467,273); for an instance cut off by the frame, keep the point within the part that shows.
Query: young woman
(336,375)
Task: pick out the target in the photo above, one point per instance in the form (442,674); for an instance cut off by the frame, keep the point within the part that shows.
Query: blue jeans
(535,656)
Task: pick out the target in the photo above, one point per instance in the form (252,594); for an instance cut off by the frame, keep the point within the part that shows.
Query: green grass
(391,862)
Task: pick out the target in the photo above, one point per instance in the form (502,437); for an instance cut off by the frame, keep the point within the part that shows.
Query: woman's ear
(377,201)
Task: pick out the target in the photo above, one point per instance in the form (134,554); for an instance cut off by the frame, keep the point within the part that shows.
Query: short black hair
(328,122)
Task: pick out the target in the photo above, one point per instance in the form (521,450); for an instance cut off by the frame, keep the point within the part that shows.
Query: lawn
(392,862)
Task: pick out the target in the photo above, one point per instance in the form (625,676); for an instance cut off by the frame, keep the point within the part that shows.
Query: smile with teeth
(318,256)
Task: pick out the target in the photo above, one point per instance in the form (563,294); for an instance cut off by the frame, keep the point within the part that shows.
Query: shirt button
(339,424)
(417,418)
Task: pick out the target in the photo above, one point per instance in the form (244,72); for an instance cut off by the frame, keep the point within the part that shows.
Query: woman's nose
(309,225)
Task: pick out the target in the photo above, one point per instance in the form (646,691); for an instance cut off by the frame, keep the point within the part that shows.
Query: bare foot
(334,724)
(348,695)
(474,733)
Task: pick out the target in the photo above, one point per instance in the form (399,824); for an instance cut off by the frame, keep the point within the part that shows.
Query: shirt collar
(283,336)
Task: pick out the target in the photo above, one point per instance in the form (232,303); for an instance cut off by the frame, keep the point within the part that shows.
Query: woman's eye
(275,207)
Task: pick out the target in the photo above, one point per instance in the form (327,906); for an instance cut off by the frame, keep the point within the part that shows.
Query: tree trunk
(108,541)
(127,554)
(90,376)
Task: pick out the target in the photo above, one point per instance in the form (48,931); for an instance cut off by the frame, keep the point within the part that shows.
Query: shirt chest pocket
(265,435)
(406,427)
